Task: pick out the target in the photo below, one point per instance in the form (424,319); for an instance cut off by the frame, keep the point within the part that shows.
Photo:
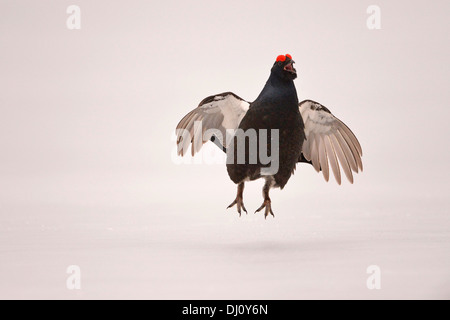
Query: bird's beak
(290,67)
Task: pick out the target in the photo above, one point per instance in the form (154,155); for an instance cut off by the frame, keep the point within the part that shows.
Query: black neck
(278,90)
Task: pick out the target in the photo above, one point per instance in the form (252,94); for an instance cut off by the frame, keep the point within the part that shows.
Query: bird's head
(284,67)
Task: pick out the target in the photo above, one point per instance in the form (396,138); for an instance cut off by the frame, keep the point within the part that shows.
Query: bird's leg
(239,199)
(267,203)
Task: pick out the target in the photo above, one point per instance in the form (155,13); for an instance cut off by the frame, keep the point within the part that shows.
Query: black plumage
(276,108)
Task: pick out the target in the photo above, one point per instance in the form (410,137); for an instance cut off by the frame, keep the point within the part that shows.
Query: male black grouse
(274,127)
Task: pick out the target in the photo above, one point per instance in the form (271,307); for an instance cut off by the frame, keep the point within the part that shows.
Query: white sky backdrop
(87,118)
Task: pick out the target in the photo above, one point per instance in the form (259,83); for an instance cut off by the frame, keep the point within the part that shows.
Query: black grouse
(268,137)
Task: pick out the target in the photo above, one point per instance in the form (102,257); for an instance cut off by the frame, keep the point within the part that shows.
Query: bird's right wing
(211,119)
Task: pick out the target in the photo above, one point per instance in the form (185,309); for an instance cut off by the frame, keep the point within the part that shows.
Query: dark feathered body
(275,108)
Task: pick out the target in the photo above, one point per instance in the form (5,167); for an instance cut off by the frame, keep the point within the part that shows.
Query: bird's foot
(240,205)
(266,204)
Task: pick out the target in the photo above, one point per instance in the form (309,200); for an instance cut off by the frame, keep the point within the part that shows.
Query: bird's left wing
(328,139)
(214,118)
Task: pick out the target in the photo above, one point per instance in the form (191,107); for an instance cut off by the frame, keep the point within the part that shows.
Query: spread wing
(210,121)
(329,140)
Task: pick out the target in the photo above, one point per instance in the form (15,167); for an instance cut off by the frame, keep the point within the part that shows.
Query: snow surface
(319,245)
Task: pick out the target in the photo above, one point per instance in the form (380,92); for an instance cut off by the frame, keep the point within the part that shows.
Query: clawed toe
(239,199)
(240,205)
(266,204)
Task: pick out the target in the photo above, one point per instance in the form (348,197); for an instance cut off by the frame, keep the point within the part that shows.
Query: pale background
(86,170)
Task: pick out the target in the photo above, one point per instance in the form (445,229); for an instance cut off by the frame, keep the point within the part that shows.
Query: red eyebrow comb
(281,58)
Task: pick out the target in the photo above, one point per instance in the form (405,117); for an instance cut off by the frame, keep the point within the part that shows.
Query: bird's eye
(289,56)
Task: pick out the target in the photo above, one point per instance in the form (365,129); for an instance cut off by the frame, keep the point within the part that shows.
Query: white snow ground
(319,245)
